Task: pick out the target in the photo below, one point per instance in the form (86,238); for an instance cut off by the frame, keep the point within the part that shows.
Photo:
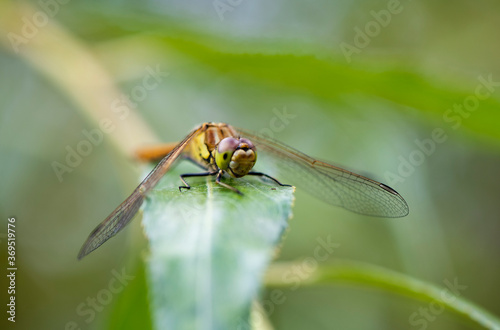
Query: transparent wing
(122,215)
(329,183)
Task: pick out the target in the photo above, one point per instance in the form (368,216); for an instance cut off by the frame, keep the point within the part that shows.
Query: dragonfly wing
(329,183)
(122,215)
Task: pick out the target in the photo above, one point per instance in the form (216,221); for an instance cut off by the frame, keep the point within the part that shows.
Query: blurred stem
(70,65)
(259,318)
(371,275)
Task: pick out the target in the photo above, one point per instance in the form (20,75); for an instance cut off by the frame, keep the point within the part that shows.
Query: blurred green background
(274,67)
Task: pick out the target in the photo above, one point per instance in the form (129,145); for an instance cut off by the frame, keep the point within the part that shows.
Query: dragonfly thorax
(236,156)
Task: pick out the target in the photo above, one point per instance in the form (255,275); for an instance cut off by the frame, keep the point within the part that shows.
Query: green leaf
(332,79)
(303,69)
(366,274)
(209,248)
(131,308)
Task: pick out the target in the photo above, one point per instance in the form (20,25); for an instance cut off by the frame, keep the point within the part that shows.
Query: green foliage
(370,275)
(284,67)
(368,113)
(209,248)
(131,310)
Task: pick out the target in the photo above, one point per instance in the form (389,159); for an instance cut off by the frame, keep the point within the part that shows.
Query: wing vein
(124,213)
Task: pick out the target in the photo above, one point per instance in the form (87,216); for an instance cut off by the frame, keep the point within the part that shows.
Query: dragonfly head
(236,156)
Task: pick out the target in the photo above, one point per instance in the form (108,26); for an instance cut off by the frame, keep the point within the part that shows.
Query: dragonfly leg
(187,175)
(217,180)
(269,177)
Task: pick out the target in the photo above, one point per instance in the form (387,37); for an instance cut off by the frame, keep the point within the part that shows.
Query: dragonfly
(222,149)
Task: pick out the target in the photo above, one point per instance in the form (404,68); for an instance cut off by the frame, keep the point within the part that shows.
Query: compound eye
(248,143)
(225,151)
(228,144)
